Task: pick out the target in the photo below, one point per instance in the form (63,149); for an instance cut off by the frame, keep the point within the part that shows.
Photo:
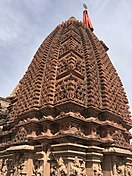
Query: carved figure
(46,131)
(13,166)
(83,169)
(128,170)
(62,170)
(119,139)
(77,169)
(120,169)
(37,169)
(4,168)
(54,170)
(58,168)
(1,161)
(98,170)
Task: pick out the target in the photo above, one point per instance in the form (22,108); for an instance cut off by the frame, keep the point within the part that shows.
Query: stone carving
(72,114)
(120,168)
(58,168)
(98,170)
(21,135)
(70,128)
(62,170)
(70,27)
(83,169)
(20,162)
(106,134)
(119,139)
(70,62)
(37,168)
(11,166)
(92,132)
(70,89)
(128,170)
(71,35)
(77,168)
(39,84)
(53,170)
(14,166)
(1,161)
(3,167)
(46,130)
(50,74)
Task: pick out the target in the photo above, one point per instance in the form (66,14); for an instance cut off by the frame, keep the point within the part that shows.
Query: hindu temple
(69,114)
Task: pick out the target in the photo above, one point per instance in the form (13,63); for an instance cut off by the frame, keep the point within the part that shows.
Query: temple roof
(71,65)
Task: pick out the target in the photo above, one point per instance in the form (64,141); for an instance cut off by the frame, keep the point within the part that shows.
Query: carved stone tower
(69,114)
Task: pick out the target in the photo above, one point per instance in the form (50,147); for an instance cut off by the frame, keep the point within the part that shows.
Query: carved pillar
(41,167)
(116,162)
(108,166)
(30,164)
(94,168)
(46,163)
(93,162)
(128,167)
(68,159)
(114,169)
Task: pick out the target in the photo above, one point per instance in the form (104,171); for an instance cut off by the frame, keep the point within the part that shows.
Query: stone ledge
(22,147)
(117,151)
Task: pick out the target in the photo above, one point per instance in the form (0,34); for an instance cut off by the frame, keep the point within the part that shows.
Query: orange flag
(86,20)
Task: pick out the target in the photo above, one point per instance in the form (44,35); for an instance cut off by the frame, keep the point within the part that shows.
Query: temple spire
(86,19)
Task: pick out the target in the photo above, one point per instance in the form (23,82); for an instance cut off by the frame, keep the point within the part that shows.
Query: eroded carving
(119,139)
(70,128)
(120,168)
(77,168)
(21,135)
(37,167)
(92,132)
(46,131)
(98,170)
(21,165)
(13,166)
(58,168)
(128,170)
(3,167)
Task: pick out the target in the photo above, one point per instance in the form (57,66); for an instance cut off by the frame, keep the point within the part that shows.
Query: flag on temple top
(86,20)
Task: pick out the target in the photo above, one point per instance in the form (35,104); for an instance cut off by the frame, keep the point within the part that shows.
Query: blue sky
(24,24)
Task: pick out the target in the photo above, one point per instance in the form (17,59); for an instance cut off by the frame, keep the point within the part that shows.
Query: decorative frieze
(74,168)
(15,166)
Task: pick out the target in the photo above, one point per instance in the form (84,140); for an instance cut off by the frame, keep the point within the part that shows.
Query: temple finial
(86,19)
(85,6)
